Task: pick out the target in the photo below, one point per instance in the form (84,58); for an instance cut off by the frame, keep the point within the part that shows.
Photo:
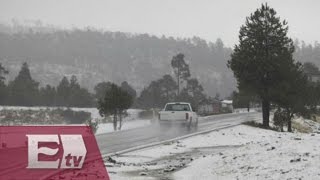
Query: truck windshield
(177,107)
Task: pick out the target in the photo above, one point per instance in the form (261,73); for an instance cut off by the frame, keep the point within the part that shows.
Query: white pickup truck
(178,112)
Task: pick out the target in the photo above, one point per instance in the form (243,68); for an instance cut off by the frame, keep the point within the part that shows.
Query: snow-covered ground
(129,122)
(94,111)
(242,152)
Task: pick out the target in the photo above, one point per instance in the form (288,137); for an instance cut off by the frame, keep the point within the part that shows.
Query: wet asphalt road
(122,140)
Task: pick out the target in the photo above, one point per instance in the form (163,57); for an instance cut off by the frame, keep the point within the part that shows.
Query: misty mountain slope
(96,56)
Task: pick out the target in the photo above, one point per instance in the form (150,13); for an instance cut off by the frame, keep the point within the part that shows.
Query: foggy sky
(208,19)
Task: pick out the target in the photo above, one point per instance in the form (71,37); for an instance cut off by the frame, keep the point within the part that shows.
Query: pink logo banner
(50,152)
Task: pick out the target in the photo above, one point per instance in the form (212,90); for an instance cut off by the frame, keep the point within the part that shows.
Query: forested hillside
(95,56)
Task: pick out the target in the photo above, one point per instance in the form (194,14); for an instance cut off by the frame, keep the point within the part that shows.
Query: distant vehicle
(178,113)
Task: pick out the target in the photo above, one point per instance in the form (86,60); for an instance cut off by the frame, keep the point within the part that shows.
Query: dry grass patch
(301,127)
(317,118)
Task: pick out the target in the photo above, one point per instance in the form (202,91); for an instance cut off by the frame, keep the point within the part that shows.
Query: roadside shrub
(313,116)
(76,117)
(258,125)
(42,116)
(93,125)
(317,118)
(302,128)
(252,123)
(280,119)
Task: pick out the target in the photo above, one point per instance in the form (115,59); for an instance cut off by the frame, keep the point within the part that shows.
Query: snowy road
(122,140)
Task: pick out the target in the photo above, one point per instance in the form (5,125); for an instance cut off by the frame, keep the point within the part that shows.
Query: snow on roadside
(94,111)
(267,155)
(241,152)
(108,127)
(130,122)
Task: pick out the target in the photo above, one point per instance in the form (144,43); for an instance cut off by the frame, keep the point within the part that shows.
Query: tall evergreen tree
(63,92)
(168,88)
(181,69)
(74,90)
(3,87)
(48,96)
(74,84)
(23,89)
(150,97)
(83,98)
(71,94)
(264,50)
(294,94)
(126,87)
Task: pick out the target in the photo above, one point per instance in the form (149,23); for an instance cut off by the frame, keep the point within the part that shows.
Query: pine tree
(168,88)
(3,87)
(129,89)
(83,98)
(294,95)
(23,89)
(63,92)
(71,94)
(181,69)
(151,97)
(74,90)
(48,96)
(264,50)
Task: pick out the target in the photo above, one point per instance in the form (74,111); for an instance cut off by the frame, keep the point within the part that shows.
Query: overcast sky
(208,19)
